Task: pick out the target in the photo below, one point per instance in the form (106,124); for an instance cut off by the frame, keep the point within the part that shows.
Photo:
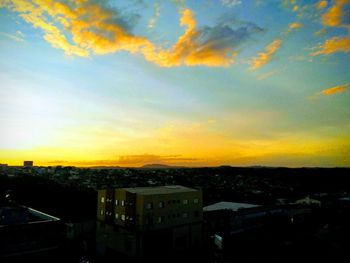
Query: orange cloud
(334,17)
(291,4)
(335,14)
(295,8)
(333,45)
(321,4)
(336,89)
(132,161)
(34,14)
(265,57)
(94,30)
(295,25)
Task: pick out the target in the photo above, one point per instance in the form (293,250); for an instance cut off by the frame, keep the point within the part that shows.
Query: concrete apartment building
(145,221)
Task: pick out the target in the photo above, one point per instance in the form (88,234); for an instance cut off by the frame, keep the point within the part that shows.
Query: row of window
(150,204)
(121,217)
(122,202)
(107,200)
(161,219)
(162,204)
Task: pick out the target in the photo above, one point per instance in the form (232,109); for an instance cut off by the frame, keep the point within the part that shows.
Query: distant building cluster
(28,163)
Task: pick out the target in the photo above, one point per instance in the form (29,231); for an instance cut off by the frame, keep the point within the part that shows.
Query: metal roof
(228,206)
(167,189)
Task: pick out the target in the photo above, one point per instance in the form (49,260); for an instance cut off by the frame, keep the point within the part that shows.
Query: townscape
(280,213)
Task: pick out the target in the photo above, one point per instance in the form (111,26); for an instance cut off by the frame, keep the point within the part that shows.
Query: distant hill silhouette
(160,166)
(106,167)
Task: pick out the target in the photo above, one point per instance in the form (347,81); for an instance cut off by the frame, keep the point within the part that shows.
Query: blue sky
(124,83)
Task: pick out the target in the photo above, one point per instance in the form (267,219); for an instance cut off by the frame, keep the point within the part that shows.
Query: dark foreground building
(146,223)
(27,234)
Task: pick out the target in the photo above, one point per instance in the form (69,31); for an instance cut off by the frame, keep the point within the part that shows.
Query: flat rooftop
(167,189)
(228,206)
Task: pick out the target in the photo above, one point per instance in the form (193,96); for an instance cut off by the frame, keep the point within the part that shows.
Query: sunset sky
(178,82)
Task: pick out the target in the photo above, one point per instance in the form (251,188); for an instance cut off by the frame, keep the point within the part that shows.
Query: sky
(177,82)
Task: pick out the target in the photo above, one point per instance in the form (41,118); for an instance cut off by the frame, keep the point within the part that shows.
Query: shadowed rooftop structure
(228,206)
(168,189)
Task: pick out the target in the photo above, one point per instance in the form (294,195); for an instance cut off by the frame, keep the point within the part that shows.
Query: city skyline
(187,83)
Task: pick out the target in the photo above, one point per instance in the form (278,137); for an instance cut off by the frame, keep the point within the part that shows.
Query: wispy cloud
(336,16)
(335,90)
(330,14)
(332,91)
(295,25)
(18,36)
(230,3)
(150,158)
(333,45)
(292,27)
(132,160)
(320,32)
(267,74)
(179,3)
(266,56)
(322,4)
(96,29)
(152,22)
(291,4)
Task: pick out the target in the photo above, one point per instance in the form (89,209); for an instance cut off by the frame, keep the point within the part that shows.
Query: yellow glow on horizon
(174,147)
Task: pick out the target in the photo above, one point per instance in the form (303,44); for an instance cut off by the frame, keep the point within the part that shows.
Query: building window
(116,202)
(102,199)
(184,215)
(116,215)
(123,202)
(195,201)
(185,201)
(101,212)
(123,217)
(161,219)
(161,204)
(196,213)
(149,205)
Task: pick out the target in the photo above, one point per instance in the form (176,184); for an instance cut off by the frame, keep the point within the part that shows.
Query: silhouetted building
(3,166)
(237,228)
(28,163)
(145,222)
(28,234)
